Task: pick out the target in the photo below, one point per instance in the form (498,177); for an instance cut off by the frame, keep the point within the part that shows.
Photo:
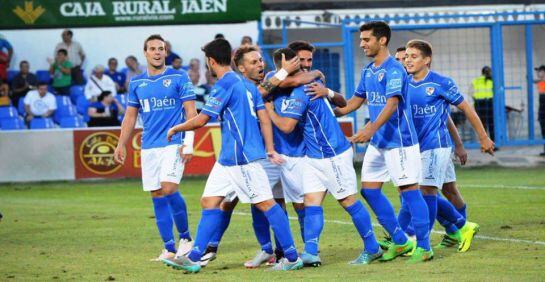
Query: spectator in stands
(75,54)
(23,82)
(133,69)
(195,76)
(170,55)
(177,63)
(6,53)
(541,90)
(99,83)
(483,94)
(61,71)
(246,41)
(105,111)
(400,54)
(4,94)
(117,76)
(204,90)
(195,65)
(39,103)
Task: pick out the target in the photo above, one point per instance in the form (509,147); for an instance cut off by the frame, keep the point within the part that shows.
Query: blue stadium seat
(122,98)
(65,108)
(21,106)
(82,105)
(11,75)
(43,76)
(75,92)
(8,112)
(42,123)
(12,123)
(72,122)
(51,90)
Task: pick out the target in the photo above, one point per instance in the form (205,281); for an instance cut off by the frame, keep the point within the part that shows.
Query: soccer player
(328,167)
(162,96)
(431,95)
(400,54)
(393,153)
(238,170)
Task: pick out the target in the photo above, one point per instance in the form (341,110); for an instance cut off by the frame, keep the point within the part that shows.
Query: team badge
(430,90)
(166,82)
(380,76)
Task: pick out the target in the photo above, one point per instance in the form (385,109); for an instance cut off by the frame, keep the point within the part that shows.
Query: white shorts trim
(400,165)
(292,179)
(161,165)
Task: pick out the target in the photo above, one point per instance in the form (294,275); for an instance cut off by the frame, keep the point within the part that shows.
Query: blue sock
(314,224)
(301,219)
(462,211)
(179,214)
(278,247)
(163,219)
(208,225)
(261,230)
(404,218)
(449,227)
(431,201)
(420,217)
(385,214)
(447,211)
(225,220)
(362,221)
(281,227)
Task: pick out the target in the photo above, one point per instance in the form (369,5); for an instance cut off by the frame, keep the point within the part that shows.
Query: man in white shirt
(39,103)
(76,55)
(98,83)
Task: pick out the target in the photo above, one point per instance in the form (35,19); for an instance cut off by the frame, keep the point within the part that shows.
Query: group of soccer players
(281,143)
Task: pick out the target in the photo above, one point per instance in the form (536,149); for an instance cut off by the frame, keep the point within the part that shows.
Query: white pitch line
(502,186)
(512,240)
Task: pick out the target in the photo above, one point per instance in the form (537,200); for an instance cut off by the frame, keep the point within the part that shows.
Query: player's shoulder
(139,77)
(229,80)
(393,66)
(441,79)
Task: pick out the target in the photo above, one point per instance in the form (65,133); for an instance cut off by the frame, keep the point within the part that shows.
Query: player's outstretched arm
(319,90)
(459,149)
(287,67)
(267,133)
(352,104)
(195,123)
(285,124)
(370,128)
(127,126)
(487,145)
(302,79)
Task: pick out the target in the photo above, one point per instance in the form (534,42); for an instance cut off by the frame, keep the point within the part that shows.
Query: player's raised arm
(288,67)
(459,149)
(487,145)
(318,90)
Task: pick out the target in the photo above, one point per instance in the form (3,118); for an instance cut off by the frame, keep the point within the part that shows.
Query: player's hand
(487,145)
(170,133)
(275,158)
(186,157)
(363,135)
(291,65)
(321,76)
(317,90)
(269,106)
(119,154)
(461,153)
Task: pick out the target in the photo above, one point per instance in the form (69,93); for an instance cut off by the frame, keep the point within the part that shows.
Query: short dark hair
(150,38)
(43,82)
(219,35)
(299,45)
(103,95)
(240,52)
(112,59)
(401,49)
(277,55)
(423,46)
(219,50)
(23,62)
(69,32)
(132,58)
(379,29)
(63,51)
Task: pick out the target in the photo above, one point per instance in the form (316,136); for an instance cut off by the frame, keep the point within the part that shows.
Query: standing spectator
(6,53)
(483,94)
(76,55)
(105,111)
(177,63)
(133,69)
(194,76)
(39,103)
(170,55)
(118,77)
(195,65)
(99,83)
(23,82)
(541,90)
(246,41)
(61,71)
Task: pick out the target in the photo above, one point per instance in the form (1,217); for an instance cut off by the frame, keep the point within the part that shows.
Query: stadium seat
(21,106)
(42,123)
(82,105)
(122,98)
(72,122)
(65,108)
(11,75)
(8,112)
(75,92)
(51,90)
(12,123)
(43,76)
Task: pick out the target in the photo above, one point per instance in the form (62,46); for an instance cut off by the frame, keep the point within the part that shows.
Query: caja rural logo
(97,153)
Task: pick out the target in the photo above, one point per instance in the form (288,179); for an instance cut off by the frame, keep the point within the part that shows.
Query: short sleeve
(295,105)
(259,105)
(360,90)
(186,88)
(451,92)
(216,102)
(27,98)
(394,82)
(133,100)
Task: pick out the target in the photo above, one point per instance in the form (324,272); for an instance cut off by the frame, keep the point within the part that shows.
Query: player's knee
(348,201)
(298,206)
(169,188)
(228,206)
(428,190)
(157,193)
(265,205)
(409,187)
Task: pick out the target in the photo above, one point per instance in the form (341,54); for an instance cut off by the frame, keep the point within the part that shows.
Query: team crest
(430,90)
(166,82)
(380,76)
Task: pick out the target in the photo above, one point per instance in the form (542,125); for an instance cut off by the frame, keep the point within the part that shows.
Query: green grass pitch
(97,231)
